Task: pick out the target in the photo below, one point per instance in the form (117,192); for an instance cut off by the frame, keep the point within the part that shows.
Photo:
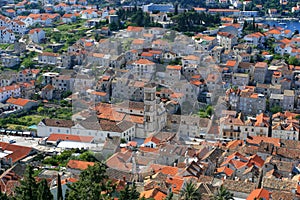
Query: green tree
(190,192)
(43,191)
(276,109)
(293,60)
(3,196)
(87,156)
(28,186)
(223,194)
(129,193)
(90,184)
(170,196)
(59,189)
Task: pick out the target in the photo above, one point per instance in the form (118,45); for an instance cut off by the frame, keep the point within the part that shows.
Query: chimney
(124,178)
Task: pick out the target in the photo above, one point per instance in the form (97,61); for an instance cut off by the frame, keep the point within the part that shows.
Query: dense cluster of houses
(142,98)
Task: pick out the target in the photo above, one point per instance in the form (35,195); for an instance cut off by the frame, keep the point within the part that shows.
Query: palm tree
(223,194)
(190,192)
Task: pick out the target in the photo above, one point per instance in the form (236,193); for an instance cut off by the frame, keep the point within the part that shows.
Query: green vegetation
(129,193)
(63,158)
(293,61)
(223,194)
(192,21)
(93,180)
(24,122)
(190,192)
(4,46)
(276,109)
(207,113)
(57,113)
(134,17)
(27,61)
(29,189)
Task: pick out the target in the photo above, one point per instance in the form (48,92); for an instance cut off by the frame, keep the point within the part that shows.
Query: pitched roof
(256,140)
(164,169)
(134,29)
(225,170)
(17,152)
(154,193)
(144,62)
(58,123)
(152,139)
(78,164)
(19,101)
(259,194)
(176,183)
(67,137)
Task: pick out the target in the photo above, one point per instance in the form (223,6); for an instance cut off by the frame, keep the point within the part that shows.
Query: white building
(9,91)
(37,35)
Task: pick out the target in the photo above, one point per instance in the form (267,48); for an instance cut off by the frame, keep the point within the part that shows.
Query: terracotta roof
(50,54)
(58,123)
(48,87)
(259,194)
(169,170)
(148,149)
(191,57)
(147,54)
(138,41)
(174,67)
(176,183)
(144,62)
(256,140)
(78,164)
(35,30)
(19,101)
(18,152)
(154,193)
(67,137)
(225,170)
(230,63)
(134,29)
(152,139)
(261,65)
(9,88)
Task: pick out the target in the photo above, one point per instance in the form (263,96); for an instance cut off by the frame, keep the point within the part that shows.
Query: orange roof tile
(152,139)
(225,170)
(176,183)
(19,101)
(169,170)
(256,140)
(134,29)
(175,67)
(67,137)
(231,63)
(78,164)
(259,194)
(144,62)
(148,149)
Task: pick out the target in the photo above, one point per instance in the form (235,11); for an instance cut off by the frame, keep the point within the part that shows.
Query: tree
(276,109)
(44,191)
(87,156)
(223,194)
(129,193)
(170,196)
(293,60)
(3,196)
(190,192)
(91,183)
(28,186)
(59,189)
